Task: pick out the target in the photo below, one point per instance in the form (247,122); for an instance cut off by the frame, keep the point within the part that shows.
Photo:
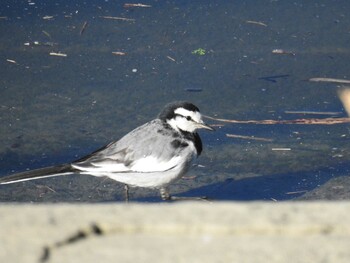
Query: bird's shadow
(286,186)
(277,187)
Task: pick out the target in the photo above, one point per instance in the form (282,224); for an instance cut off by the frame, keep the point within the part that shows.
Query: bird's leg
(164,193)
(126,188)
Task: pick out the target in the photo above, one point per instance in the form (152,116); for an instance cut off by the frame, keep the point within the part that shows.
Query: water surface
(55,109)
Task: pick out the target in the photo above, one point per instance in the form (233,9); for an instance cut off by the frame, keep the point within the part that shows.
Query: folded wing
(145,149)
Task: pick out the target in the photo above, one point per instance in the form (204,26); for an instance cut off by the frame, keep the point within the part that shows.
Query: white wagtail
(153,155)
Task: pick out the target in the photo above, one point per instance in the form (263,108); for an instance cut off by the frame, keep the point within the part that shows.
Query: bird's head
(183,116)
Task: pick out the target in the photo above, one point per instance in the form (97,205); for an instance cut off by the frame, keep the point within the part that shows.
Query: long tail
(38,174)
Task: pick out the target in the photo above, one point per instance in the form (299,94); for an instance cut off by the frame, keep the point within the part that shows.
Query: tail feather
(38,174)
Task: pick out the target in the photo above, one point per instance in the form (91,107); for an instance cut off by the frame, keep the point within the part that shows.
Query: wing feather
(145,149)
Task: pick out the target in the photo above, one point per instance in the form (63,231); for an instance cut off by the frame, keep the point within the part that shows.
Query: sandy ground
(181,232)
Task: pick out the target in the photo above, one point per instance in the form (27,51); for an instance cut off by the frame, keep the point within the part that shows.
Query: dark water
(54,109)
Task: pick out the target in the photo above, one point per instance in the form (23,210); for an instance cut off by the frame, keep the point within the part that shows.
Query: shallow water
(55,109)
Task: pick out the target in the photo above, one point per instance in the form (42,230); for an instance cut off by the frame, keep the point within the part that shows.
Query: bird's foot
(164,193)
(189,198)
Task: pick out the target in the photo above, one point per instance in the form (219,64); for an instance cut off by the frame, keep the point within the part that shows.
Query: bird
(153,155)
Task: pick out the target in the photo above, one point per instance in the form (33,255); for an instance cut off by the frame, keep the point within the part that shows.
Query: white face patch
(186,121)
(195,115)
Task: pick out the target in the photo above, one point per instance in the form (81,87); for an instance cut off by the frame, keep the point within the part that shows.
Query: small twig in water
(82,30)
(248,137)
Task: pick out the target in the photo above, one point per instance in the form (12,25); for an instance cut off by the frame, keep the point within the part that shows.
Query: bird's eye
(188,118)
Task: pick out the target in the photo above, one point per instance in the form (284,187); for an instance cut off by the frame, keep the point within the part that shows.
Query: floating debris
(118,53)
(193,89)
(199,52)
(3,17)
(118,18)
(282,52)
(48,17)
(256,23)
(82,30)
(37,43)
(342,81)
(249,137)
(46,33)
(281,149)
(172,59)
(135,5)
(12,61)
(59,54)
(274,78)
(296,192)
